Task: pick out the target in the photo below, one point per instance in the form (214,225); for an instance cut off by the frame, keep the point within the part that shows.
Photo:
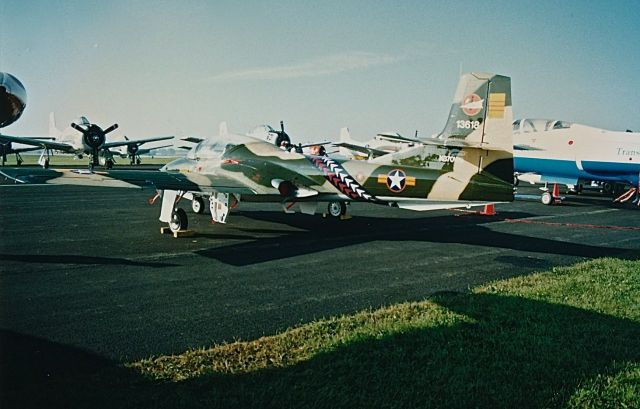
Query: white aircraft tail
(345,135)
(345,138)
(53,130)
(224,129)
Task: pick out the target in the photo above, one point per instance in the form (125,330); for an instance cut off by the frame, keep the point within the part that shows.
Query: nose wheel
(179,220)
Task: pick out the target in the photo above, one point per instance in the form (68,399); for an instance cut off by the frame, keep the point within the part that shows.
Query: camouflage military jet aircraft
(469,163)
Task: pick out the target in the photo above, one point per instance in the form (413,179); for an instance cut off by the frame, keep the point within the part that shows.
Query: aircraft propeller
(95,137)
(282,138)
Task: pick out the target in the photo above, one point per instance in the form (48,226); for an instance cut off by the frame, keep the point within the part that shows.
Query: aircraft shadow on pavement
(514,352)
(78,259)
(319,235)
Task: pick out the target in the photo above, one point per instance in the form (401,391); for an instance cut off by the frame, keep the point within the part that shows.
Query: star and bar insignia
(397,180)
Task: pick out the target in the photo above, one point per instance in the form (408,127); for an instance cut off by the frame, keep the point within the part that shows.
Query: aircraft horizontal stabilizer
(371,152)
(460,143)
(192,139)
(396,137)
(526,148)
(431,205)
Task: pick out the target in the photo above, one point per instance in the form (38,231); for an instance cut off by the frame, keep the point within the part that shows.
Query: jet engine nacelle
(13,99)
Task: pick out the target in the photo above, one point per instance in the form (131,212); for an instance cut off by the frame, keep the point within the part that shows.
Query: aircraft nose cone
(13,99)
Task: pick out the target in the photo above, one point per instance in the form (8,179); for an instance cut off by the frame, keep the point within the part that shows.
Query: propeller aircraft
(80,138)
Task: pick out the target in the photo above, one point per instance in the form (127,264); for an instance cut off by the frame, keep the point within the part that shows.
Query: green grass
(70,160)
(569,337)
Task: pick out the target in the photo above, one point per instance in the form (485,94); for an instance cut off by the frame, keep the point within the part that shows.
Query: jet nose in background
(13,99)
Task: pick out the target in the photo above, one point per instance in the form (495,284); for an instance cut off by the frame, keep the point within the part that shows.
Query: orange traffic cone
(489,210)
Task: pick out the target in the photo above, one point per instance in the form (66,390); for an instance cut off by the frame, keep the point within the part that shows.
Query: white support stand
(219,207)
(168,204)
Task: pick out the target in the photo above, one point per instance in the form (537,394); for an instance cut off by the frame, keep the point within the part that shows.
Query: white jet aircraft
(560,152)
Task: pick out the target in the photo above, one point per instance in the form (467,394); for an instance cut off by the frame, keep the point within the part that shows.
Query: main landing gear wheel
(547,198)
(197,205)
(337,209)
(179,220)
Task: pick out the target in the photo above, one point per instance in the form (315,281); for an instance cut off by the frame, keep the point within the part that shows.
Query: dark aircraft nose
(13,99)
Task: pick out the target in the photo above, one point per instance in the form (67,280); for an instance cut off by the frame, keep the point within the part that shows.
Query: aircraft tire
(546,198)
(179,220)
(337,209)
(197,205)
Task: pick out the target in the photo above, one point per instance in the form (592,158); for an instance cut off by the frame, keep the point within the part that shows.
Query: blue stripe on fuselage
(567,169)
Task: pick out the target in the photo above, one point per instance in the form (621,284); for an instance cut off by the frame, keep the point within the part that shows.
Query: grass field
(569,337)
(70,160)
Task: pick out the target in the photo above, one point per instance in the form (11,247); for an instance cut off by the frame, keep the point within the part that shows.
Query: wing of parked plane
(136,142)
(370,152)
(40,142)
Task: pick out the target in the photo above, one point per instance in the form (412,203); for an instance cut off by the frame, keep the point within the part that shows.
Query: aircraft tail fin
(481,114)
(478,139)
(223,129)
(345,135)
(53,130)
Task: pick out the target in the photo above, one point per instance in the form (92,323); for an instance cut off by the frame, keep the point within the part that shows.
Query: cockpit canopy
(539,125)
(261,129)
(212,148)
(82,121)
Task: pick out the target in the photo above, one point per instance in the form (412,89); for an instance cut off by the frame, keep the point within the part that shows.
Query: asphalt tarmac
(87,268)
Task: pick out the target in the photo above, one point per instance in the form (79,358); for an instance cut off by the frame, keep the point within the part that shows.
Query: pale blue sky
(168,67)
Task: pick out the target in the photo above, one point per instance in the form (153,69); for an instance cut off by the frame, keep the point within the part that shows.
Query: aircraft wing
(534,177)
(313,144)
(460,143)
(192,139)
(526,148)
(563,180)
(157,147)
(43,143)
(138,142)
(122,178)
(396,137)
(22,150)
(371,152)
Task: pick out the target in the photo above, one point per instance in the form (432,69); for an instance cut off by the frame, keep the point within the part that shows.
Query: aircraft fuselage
(576,152)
